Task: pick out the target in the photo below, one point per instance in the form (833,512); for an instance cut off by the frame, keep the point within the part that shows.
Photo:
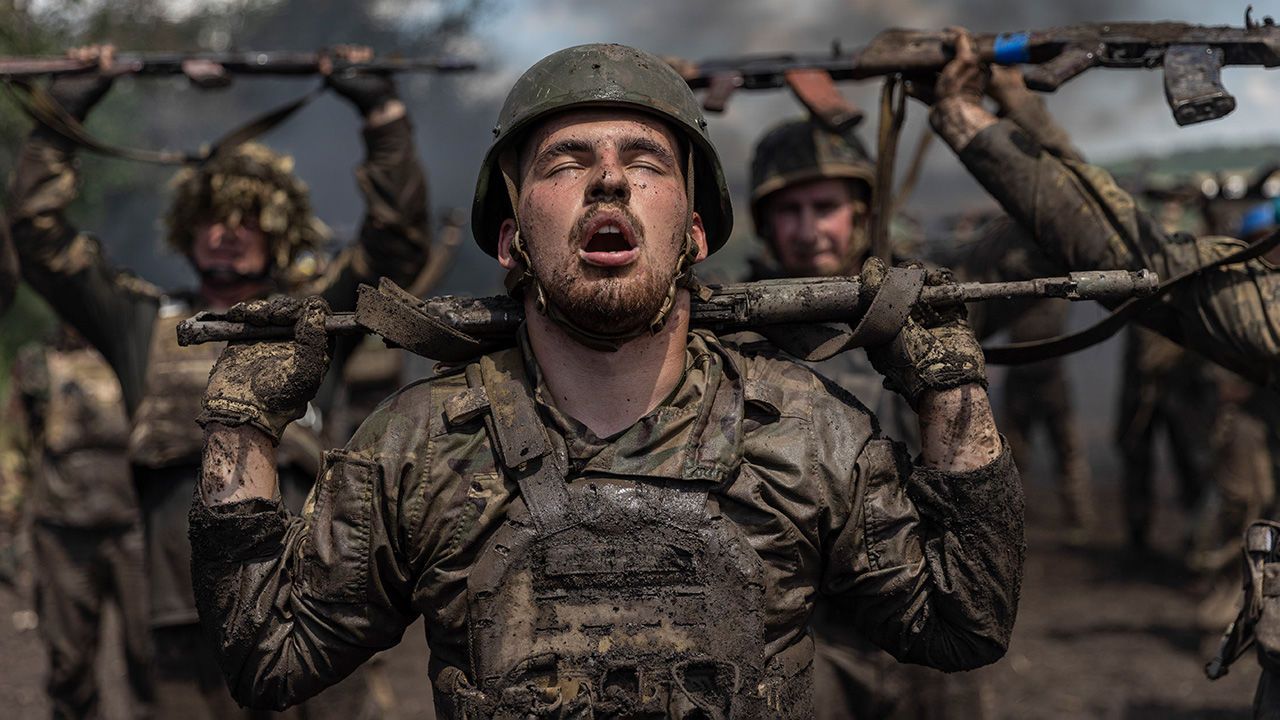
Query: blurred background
(1103,632)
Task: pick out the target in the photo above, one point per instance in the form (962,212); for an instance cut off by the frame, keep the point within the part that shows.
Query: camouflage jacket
(67,421)
(1080,219)
(68,268)
(927,564)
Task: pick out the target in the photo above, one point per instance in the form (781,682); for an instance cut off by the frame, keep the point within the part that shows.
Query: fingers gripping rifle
(453,329)
(1192,57)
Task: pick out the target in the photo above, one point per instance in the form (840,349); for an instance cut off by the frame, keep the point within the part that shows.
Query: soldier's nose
(609,184)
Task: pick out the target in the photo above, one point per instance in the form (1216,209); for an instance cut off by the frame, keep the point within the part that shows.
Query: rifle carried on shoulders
(808,317)
(1192,57)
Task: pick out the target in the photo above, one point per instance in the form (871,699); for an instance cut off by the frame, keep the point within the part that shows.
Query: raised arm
(1082,220)
(395,234)
(66,266)
(295,603)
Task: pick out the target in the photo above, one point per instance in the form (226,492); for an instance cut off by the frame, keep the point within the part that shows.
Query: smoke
(1109,113)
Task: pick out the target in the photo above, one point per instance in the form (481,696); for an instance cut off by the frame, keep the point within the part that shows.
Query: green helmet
(802,150)
(600,75)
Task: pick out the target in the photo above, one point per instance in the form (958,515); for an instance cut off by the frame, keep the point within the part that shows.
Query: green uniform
(85,534)
(162,383)
(1082,220)
(558,569)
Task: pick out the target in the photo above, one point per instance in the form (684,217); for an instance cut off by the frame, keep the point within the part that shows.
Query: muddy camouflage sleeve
(296,603)
(926,564)
(395,234)
(68,268)
(1082,220)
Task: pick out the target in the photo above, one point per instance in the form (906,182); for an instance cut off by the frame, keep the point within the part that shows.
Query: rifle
(247,62)
(206,70)
(1192,57)
(453,329)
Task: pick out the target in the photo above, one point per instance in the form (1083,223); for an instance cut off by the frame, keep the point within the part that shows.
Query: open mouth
(610,242)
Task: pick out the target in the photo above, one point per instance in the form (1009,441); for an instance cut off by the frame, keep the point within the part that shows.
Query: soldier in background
(67,418)
(811,191)
(242,219)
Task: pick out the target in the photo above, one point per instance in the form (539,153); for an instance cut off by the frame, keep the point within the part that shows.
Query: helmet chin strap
(521,276)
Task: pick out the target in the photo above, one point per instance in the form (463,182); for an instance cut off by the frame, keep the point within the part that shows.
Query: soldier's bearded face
(814,226)
(231,250)
(603,213)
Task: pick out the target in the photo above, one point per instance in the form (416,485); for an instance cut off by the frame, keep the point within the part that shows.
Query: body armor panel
(605,596)
(86,407)
(164,430)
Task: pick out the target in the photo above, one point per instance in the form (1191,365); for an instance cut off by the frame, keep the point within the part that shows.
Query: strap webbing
(1037,350)
(36,102)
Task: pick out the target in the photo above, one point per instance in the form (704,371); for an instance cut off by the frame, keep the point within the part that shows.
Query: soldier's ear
(506,236)
(699,234)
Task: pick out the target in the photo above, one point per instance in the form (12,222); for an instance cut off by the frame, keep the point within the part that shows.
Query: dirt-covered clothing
(1039,394)
(134,328)
(926,563)
(78,571)
(68,267)
(1082,220)
(69,419)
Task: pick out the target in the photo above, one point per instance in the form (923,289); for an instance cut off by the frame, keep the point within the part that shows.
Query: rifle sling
(1037,350)
(37,103)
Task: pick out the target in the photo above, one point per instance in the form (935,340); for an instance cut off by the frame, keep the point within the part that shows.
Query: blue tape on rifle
(1012,49)
(1258,218)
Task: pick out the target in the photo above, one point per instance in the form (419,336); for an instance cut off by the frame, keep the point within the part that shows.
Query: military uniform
(1038,394)
(85,533)
(162,382)
(1082,220)
(1164,388)
(436,507)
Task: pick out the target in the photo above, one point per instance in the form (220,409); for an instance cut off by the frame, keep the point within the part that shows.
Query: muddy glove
(268,384)
(936,349)
(367,91)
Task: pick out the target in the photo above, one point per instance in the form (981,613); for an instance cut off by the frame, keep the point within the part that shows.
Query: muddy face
(817,227)
(603,214)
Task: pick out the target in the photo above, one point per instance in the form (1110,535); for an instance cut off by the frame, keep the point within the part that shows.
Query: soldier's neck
(609,391)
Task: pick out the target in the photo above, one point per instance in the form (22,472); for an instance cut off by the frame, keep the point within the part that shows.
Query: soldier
(241,219)
(811,191)
(86,535)
(619,515)
(1080,219)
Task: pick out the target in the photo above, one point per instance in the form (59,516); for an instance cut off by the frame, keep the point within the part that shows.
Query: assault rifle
(198,66)
(453,329)
(1192,56)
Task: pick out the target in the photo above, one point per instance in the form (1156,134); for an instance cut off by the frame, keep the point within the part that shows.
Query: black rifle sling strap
(36,102)
(1037,350)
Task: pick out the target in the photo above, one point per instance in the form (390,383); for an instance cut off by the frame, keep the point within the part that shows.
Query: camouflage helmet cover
(799,151)
(600,75)
(247,181)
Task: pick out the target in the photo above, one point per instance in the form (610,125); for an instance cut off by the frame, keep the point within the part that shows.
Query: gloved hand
(367,91)
(268,384)
(78,93)
(936,349)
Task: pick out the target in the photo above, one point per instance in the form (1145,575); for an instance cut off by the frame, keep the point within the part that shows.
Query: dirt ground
(1102,633)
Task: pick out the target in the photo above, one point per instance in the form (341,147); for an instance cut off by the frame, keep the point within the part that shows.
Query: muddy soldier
(617,517)
(810,202)
(241,219)
(1080,219)
(67,418)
